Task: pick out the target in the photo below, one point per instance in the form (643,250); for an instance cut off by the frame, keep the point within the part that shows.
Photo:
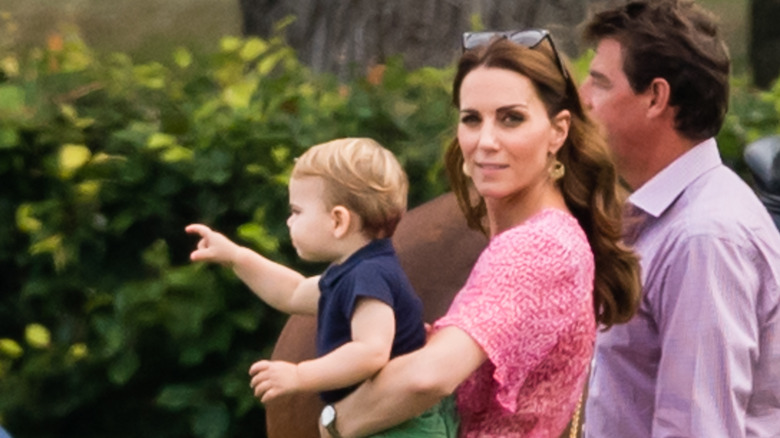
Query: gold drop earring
(557,170)
(466,170)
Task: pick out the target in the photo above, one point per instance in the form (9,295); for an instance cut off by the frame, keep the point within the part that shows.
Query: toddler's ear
(342,220)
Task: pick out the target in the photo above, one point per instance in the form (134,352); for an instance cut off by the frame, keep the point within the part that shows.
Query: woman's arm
(410,384)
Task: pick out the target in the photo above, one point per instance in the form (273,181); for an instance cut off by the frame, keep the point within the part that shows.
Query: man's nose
(585,94)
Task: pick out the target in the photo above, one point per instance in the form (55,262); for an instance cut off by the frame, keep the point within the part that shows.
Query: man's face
(612,102)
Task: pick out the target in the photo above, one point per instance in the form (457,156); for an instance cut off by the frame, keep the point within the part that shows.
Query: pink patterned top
(528,303)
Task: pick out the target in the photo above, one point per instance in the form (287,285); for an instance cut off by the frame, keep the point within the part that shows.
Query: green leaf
(253,48)
(178,397)
(111,333)
(37,336)
(191,355)
(214,166)
(230,44)
(182,57)
(160,140)
(71,158)
(11,101)
(245,319)
(8,138)
(77,351)
(122,370)
(211,421)
(10,66)
(176,154)
(156,255)
(77,57)
(268,63)
(10,348)
(26,221)
(51,244)
(151,75)
(259,236)
(239,94)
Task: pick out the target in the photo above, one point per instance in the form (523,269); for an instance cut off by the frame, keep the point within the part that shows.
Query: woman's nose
(487,136)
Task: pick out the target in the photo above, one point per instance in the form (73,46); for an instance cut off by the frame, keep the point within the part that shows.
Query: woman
(531,170)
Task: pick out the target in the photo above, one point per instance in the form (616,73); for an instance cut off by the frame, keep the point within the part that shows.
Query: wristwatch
(328,420)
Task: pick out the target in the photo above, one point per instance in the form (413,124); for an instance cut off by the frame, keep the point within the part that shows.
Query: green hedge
(106,329)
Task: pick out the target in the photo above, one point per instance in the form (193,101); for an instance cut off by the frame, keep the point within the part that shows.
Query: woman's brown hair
(589,185)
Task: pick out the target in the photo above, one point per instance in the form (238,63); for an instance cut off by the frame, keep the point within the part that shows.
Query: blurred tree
(340,36)
(764,41)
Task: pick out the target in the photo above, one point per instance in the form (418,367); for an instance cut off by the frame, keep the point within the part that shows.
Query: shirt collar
(656,195)
(374,248)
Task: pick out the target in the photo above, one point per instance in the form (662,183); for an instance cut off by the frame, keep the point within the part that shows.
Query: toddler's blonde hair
(362,176)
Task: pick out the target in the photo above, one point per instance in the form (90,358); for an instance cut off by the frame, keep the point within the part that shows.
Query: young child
(346,199)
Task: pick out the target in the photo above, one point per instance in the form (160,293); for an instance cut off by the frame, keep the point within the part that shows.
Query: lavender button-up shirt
(702,356)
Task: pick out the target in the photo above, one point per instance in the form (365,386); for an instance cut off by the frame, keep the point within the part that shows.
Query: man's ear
(342,220)
(560,125)
(659,94)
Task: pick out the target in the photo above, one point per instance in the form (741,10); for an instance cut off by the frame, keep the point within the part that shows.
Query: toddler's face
(310,221)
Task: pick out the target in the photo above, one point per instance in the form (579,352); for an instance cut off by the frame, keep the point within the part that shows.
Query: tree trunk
(764,41)
(345,36)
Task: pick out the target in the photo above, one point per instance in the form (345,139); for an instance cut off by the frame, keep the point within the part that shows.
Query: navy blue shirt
(373,271)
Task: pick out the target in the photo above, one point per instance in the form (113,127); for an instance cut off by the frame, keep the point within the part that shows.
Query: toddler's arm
(373,330)
(276,284)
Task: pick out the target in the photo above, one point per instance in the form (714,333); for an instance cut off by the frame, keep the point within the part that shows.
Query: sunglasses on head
(527,38)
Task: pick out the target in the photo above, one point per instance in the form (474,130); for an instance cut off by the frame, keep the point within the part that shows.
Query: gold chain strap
(574,432)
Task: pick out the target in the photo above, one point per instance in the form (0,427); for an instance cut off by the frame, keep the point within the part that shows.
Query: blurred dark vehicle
(763,159)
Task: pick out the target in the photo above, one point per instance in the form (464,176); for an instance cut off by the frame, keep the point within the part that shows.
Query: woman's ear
(560,130)
(342,220)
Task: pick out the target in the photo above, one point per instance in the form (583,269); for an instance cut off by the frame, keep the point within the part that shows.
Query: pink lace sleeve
(526,289)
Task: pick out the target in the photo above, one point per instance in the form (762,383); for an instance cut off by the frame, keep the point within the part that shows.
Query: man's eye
(600,82)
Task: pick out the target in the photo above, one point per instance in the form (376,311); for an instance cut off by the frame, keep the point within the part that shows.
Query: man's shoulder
(719,203)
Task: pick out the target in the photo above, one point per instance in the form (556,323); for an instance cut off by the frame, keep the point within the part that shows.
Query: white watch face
(327,416)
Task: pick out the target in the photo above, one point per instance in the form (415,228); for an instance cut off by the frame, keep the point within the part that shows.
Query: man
(702,356)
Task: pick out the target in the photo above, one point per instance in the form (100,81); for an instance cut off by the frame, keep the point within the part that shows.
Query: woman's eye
(469,119)
(512,118)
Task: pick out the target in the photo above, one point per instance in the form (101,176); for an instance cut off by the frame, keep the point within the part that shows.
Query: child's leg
(440,421)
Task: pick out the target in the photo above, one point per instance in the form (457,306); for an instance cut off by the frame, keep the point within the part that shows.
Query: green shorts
(440,421)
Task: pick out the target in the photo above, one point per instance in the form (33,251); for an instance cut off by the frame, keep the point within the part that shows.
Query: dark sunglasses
(528,38)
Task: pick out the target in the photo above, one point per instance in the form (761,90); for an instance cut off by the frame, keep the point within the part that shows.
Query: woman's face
(505,135)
